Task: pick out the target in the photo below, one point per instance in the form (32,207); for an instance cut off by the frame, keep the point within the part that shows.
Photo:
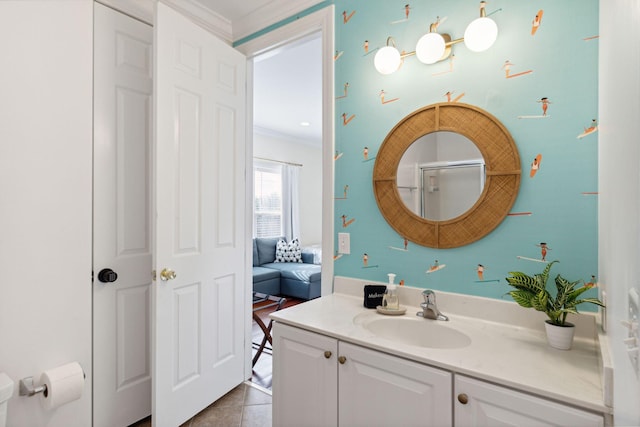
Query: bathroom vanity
(338,363)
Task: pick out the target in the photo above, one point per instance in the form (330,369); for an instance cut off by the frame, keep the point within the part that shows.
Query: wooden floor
(262,371)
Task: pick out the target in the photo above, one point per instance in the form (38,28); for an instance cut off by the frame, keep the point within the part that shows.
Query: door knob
(342,360)
(327,354)
(107,275)
(463,398)
(167,274)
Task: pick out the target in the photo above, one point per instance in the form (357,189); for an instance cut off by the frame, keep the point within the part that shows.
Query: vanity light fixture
(481,33)
(387,59)
(479,36)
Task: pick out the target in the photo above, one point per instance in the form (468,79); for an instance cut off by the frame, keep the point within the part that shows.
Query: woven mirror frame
(502,175)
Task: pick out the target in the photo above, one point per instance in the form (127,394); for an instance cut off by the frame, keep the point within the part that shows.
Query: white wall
(283,149)
(619,187)
(45,188)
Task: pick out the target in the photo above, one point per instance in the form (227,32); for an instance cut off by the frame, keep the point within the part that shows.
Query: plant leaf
(523,282)
(520,279)
(571,310)
(523,298)
(576,293)
(554,316)
(541,300)
(545,273)
(565,290)
(595,301)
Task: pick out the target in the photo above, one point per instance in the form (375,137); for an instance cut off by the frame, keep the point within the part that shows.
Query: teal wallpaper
(542,85)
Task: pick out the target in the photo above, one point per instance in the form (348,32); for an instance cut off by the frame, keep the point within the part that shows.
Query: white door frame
(321,21)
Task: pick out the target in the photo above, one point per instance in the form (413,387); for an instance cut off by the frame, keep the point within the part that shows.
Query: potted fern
(531,292)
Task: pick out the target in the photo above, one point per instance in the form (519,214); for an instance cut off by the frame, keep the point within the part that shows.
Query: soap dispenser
(390,299)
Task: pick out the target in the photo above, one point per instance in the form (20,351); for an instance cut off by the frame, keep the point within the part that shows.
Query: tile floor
(245,406)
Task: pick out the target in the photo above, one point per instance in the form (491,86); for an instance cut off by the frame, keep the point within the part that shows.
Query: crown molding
(269,14)
(144,10)
(206,18)
(261,18)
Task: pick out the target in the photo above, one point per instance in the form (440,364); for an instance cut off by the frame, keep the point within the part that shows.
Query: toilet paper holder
(26,388)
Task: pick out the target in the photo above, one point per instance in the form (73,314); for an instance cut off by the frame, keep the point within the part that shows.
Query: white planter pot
(560,337)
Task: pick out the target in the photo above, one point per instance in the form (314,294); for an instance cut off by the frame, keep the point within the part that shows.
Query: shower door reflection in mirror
(441,176)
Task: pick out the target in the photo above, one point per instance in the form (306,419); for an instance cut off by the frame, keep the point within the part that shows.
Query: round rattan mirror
(502,164)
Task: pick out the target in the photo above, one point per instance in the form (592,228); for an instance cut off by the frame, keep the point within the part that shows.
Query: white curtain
(290,201)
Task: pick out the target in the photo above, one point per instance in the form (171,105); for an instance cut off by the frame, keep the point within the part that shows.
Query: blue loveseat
(299,280)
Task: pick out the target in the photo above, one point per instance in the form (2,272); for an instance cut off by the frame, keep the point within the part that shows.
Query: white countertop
(506,354)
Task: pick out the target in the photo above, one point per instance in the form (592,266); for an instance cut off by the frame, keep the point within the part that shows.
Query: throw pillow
(288,252)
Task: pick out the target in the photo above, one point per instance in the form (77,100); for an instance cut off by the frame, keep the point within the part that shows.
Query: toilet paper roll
(64,384)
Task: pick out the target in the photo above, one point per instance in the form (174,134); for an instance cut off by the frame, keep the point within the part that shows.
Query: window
(267,200)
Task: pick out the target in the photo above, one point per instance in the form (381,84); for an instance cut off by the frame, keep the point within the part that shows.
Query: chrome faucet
(429,308)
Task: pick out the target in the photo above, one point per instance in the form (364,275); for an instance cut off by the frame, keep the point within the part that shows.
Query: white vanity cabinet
(377,389)
(479,404)
(305,380)
(320,381)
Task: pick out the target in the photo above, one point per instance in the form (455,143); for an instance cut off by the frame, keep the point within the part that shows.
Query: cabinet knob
(327,354)
(463,398)
(342,360)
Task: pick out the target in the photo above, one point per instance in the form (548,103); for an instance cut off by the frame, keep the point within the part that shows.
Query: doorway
(321,23)
(287,160)
(319,27)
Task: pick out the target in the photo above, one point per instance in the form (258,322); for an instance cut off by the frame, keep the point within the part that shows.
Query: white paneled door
(121,223)
(198,296)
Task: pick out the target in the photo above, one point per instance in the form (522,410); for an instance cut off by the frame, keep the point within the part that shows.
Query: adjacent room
(287,185)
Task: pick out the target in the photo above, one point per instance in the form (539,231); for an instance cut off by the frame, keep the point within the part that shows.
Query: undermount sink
(413,331)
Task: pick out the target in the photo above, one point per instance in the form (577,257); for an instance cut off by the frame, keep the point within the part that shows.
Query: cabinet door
(492,405)
(377,389)
(305,378)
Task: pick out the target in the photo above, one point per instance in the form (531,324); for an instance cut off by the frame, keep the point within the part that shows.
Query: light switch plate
(344,243)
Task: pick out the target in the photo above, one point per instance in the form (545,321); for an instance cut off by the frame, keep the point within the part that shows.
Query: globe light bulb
(430,48)
(480,34)
(387,60)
